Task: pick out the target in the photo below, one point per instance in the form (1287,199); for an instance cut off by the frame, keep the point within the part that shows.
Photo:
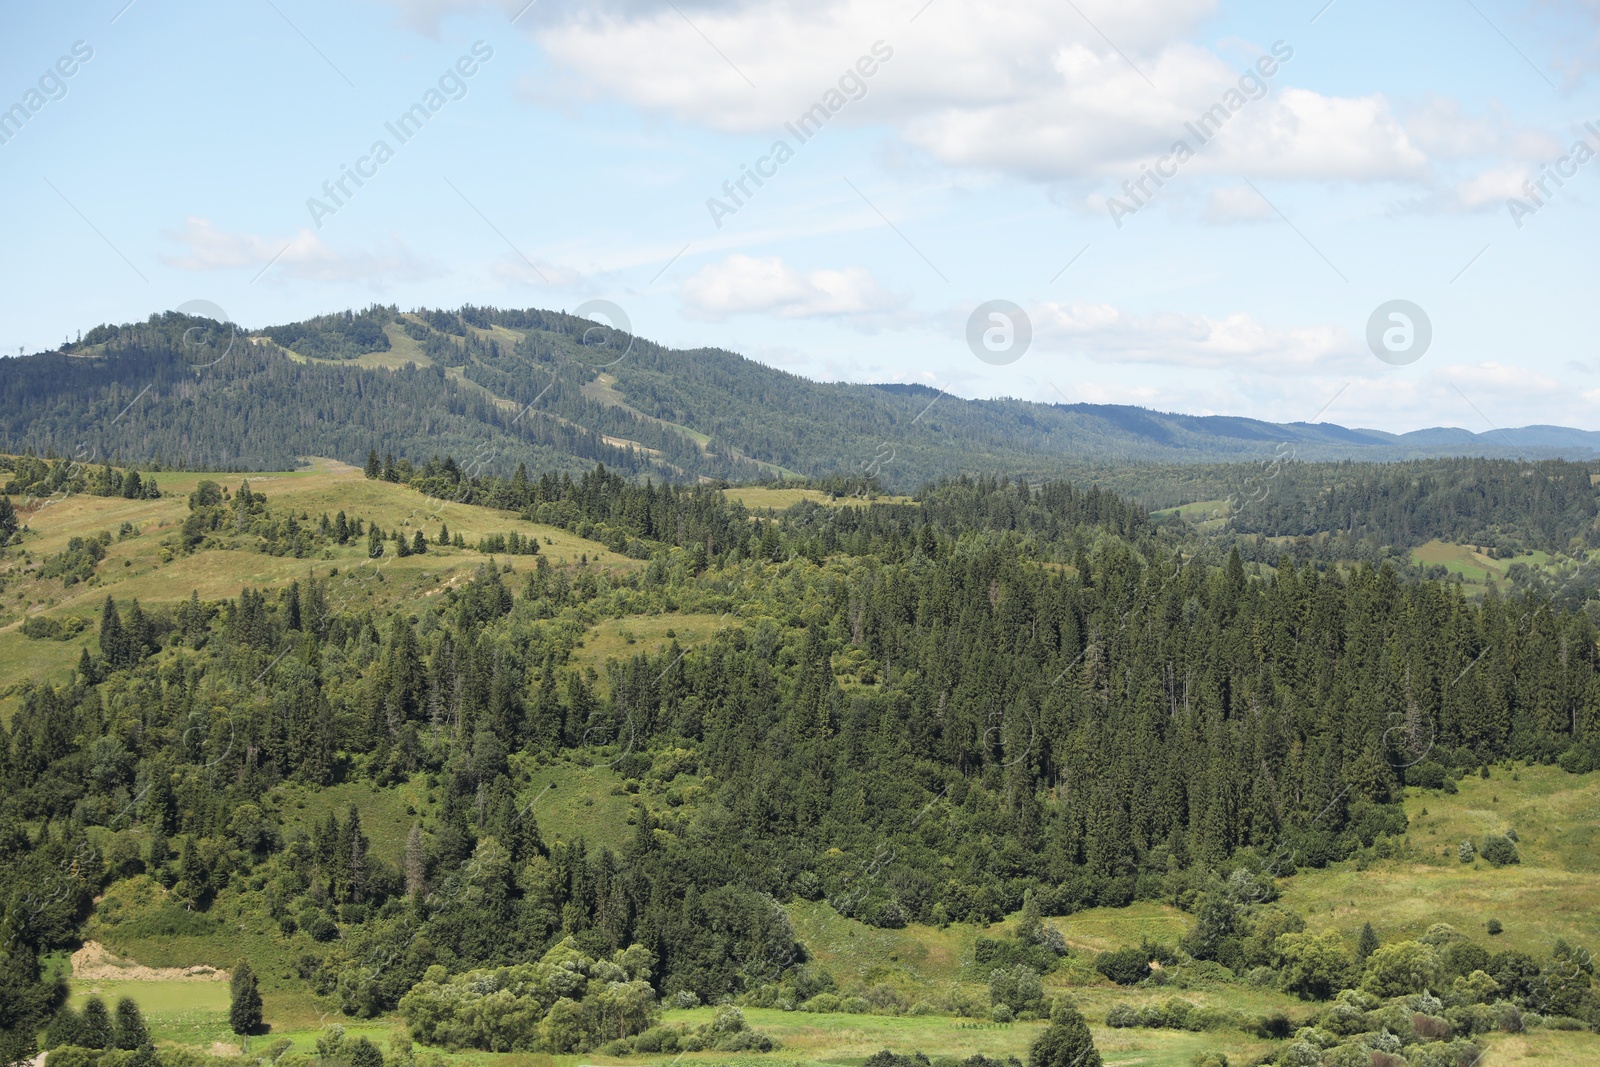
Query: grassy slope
(133,567)
(1552,893)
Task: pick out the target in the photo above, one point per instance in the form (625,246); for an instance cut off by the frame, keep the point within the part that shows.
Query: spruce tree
(113,644)
(131,1031)
(1066,1042)
(1368,944)
(1030,927)
(244,1011)
(96,1030)
(8,520)
(373,469)
(419,544)
(374,542)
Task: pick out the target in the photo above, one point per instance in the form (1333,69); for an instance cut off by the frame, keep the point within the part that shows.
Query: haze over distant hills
(560,393)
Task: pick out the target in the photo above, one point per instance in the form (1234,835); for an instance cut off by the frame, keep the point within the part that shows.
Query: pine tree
(373,469)
(138,637)
(66,1028)
(132,486)
(374,542)
(131,1030)
(8,520)
(444,531)
(96,1030)
(244,1011)
(419,544)
(113,644)
(1368,944)
(1066,1042)
(1030,927)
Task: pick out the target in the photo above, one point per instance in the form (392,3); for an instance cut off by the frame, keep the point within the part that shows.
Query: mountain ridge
(559,392)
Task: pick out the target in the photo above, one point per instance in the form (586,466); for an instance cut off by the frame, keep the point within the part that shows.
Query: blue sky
(985,152)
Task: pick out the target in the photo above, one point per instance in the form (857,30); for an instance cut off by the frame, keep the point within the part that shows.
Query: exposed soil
(93,963)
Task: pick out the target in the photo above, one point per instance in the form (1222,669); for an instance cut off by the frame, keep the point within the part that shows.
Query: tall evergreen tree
(131,1031)
(1368,943)
(244,1009)
(97,1030)
(1066,1042)
(113,643)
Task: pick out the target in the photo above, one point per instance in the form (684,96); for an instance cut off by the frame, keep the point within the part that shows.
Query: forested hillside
(498,387)
(993,698)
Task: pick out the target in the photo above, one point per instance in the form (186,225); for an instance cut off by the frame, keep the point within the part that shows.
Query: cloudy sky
(1198,206)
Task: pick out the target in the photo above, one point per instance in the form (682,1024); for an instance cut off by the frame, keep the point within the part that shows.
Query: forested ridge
(558,392)
(996,695)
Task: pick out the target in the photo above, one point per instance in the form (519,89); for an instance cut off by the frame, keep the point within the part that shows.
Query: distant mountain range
(561,393)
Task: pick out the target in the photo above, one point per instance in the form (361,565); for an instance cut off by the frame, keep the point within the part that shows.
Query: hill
(543,765)
(558,392)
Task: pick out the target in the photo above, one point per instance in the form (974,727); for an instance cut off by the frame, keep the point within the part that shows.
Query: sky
(1365,213)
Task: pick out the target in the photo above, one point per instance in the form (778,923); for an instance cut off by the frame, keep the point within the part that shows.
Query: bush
(1499,850)
(822,1002)
(1018,988)
(1401,968)
(1126,966)
(1122,1016)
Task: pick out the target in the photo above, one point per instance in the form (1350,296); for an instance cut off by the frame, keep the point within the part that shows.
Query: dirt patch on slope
(93,962)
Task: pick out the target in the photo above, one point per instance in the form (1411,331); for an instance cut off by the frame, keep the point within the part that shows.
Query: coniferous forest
(990,705)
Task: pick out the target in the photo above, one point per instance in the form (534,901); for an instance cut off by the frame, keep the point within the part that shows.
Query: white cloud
(743,285)
(1039,93)
(1237,203)
(303,257)
(1238,342)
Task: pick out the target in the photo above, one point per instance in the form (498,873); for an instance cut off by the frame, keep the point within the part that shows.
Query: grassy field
(1553,892)
(1205,515)
(761,498)
(135,566)
(568,801)
(1473,565)
(648,634)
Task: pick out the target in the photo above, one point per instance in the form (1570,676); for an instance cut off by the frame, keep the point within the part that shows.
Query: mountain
(558,392)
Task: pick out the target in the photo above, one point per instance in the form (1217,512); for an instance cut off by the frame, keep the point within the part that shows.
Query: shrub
(1018,988)
(1499,850)
(1124,966)
(1314,966)
(1121,1016)
(1403,967)
(822,1002)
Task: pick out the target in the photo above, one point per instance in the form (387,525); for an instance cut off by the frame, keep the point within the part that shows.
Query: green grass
(1553,893)
(135,568)
(569,801)
(760,498)
(914,958)
(384,815)
(646,634)
(182,1012)
(1104,929)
